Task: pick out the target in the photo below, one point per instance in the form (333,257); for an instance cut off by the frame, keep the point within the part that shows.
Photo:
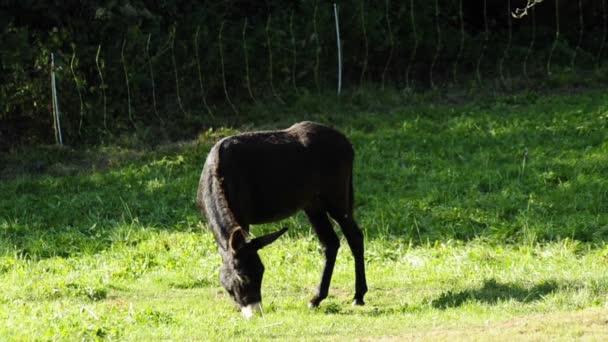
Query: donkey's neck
(212,195)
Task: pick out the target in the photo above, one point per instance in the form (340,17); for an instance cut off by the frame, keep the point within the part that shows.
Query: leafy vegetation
(169,68)
(483,217)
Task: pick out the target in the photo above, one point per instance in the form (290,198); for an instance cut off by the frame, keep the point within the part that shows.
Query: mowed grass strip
(479,218)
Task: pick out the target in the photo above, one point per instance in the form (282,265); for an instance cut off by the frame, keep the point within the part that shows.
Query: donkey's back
(266,176)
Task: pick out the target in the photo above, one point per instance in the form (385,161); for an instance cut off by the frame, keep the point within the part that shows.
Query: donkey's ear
(237,240)
(267,239)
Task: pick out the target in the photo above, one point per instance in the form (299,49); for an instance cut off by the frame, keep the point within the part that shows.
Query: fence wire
(233,63)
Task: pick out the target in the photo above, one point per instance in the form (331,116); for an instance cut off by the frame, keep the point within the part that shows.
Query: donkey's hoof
(358,302)
(314,303)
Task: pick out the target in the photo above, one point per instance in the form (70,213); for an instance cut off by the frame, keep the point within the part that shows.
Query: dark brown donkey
(262,177)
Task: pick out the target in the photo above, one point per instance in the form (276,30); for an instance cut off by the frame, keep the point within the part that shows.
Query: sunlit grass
(166,287)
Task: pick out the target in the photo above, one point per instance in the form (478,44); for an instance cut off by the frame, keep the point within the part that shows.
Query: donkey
(262,177)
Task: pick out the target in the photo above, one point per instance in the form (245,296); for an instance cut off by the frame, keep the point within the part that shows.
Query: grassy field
(484,218)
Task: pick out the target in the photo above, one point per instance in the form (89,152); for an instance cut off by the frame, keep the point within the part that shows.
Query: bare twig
(318,48)
(294,53)
(124,67)
(270,64)
(461,45)
(366,43)
(438,49)
(151,69)
(90,312)
(598,60)
(391,41)
(200,73)
(103,88)
(532,41)
(224,71)
(247,77)
(175,73)
(580,33)
(505,54)
(414,48)
(77,83)
(485,41)
(151,74)
(521,12)
(556,38)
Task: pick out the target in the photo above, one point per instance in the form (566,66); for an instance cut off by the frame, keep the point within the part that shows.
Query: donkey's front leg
(330,244)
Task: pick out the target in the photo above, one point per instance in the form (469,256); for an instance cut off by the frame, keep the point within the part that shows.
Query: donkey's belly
(262,216)
(274,206)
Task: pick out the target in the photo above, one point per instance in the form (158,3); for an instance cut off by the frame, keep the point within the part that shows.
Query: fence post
(461,46)
(318,47)
(294,53)
(103,87)
(581,26)
(339,49)
(598,60)
(366,43)
(505,54)
(55,103)
(531,46)
(391,41)
(77,88)
(485,41)
(556,38)
(124,68)
(438,50)
(152,82)
(414,49)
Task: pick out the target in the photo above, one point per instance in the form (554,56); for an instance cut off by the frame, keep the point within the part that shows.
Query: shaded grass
(516,168)
(492,292)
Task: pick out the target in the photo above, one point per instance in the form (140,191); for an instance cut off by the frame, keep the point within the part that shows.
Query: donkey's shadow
(492,292)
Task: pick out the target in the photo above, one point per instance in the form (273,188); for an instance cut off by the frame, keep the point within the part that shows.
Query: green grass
(484,218)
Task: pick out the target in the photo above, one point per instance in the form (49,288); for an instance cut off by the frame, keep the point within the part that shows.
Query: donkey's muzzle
(249,310)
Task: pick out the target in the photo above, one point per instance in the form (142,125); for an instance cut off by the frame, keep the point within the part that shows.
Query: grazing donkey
(261,177)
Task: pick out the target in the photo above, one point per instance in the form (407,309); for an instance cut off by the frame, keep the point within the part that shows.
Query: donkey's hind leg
(354,237)
(330,244)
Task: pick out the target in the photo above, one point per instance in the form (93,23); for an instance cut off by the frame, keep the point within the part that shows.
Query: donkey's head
(241,274)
